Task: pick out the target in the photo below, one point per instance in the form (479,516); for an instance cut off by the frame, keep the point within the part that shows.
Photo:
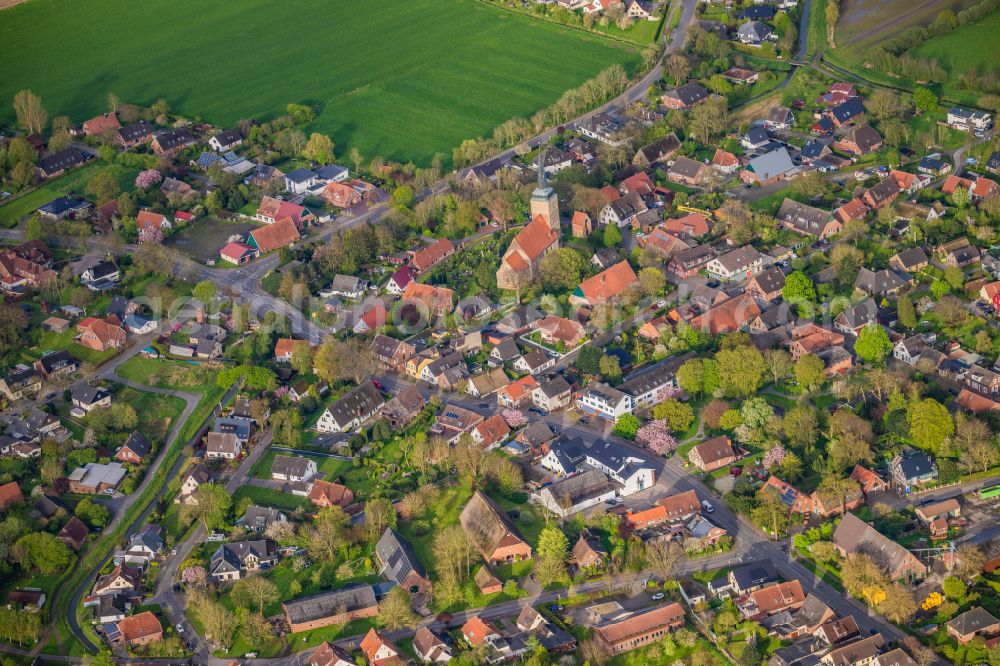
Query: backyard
(400,80)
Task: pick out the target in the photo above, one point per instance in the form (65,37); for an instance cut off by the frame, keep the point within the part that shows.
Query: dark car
(445,617)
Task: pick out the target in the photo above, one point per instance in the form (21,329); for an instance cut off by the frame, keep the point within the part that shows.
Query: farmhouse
(639,629)
(854,535)
(333,607)
(491,533)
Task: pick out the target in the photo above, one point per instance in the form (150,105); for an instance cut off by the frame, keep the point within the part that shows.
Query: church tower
(544,201)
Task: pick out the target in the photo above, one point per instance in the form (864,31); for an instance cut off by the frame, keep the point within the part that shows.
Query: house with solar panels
(398,562)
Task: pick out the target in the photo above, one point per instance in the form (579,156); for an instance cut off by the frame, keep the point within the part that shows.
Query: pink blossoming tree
(514,418)
(656,436)
(146,179)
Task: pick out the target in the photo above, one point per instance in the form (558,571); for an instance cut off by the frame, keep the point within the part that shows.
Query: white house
(633,471)
(353,409)
(293,468)
(604,401)
(969,121)
(739,263)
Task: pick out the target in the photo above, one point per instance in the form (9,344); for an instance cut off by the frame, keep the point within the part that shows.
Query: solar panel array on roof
(111,631)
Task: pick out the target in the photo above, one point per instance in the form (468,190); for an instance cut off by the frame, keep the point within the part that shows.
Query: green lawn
(401,80)
(268,497)
(965,48)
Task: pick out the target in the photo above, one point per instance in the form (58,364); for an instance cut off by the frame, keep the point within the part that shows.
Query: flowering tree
(656,436)
(194,576)
(151,235)
(773,457)
(146,179)
(281,392)
(514,418)
(670,392)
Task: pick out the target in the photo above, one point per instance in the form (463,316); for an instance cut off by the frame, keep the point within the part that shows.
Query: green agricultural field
(398,79)
(970,47)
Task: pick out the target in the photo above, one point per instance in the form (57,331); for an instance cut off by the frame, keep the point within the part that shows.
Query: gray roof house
(259,518)
(754,33)
(399,563)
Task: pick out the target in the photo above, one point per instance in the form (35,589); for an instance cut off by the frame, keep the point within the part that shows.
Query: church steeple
(544,201)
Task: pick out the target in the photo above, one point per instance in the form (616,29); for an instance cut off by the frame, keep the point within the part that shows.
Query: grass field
(401,80)
(865,22)
(970,47)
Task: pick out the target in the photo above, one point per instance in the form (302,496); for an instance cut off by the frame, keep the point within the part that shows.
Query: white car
(109,491)
(179,627)
(707,506)
(657,596)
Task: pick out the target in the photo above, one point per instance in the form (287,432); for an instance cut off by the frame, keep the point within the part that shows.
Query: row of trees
(606,85)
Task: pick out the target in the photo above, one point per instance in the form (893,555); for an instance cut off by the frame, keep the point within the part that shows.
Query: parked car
(707,506)
(657,596)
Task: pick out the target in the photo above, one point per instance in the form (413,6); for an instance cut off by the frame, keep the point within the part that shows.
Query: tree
(553,548)
(655,436)
(204,291)
(713,411)
(95,515)
(798,288)
(665,557)
(627,426)
(395,611)
(883,105)
(42,552)
(31,115)
(832,16)
(319,148)
(810,372)
(925,99)
(610,368)
(848,451)
(898,605)
(219,622)
(212,507)
(676,414)
(740,371)
(35,229)
(612,236)
(691,376)
(147,178)
(801,425)
(561,270)
(770,514)
(954,276)
(907,313)
(326,538)
(953,587)
(930,424)
(255,591)
(356,159)
(778,364)
(679,67)
(379,514)
(873,345)
(839,490)
(970,561)
(302,357)
(104,186)
(976,441)
(755,412)
(652,281)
